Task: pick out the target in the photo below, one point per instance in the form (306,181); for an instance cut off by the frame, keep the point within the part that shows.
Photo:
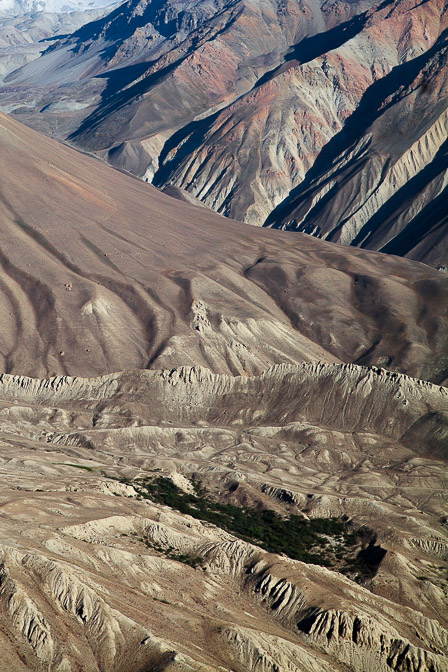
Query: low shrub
(330,542)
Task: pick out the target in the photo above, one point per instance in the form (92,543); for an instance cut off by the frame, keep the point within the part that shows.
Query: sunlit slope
(101,272)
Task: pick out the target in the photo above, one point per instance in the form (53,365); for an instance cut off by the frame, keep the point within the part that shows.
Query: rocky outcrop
(249,651)
(359,641)
(347,398)
(94,574)
(26,619)
(84,592)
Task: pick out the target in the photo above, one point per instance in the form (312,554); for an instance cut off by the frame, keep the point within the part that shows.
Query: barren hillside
(241,464)
(101,272)
(99,574)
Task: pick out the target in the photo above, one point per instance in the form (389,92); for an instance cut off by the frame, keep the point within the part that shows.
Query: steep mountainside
(101,272)
(22,7)
(382,182)
(243,105)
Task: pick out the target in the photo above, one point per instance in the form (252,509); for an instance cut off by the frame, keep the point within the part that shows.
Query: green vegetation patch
(330,542)
(78,466)
(170,553)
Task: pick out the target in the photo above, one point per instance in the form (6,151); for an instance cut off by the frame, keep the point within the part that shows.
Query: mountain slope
(101,272)
(24,37)
(124,491)
(265,87)
(22,7)
(381,182)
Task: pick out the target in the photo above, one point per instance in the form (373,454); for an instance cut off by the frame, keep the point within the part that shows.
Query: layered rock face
(381,183)
(304,115)
(93,580)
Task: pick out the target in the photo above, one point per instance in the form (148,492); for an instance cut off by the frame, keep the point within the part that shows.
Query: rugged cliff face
(307,115)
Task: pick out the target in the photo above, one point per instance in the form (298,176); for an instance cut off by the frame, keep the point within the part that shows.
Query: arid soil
(88,577)
(277,371)
(103,273)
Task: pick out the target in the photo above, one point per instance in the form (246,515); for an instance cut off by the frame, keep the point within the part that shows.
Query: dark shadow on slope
(368,560)
(54,38)
(306,50)
(371,107)
(189,137)
(348,171)
(118,27)
(420,4)
(420,225)
(114,97)
(120,78)
(92,30)
(122,23)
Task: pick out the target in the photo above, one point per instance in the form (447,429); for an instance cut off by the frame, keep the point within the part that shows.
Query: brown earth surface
(89,575)
(103,277)
(102,273)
